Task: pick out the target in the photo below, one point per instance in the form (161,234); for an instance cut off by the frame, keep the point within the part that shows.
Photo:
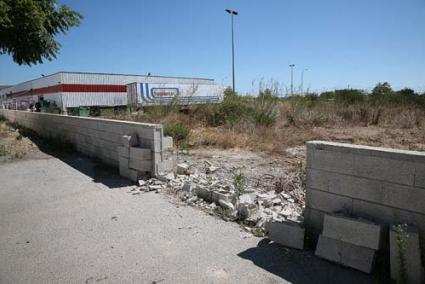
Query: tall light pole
(233,13)
(302,80)
(292,78)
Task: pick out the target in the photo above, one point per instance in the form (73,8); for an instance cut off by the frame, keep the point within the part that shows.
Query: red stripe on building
(73,88)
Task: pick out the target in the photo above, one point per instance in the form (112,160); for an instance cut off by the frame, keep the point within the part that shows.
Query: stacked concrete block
(350,242)
(379,184)
(124,157)
(286,233)
(133,160)
(102,138)
(140,159)
(406,265)
(167,164)
(359,232)
(347,254)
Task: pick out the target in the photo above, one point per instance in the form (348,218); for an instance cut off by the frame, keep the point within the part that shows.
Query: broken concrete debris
(349,241)
(129,140)
(207,184)
(210,186)
(152,184)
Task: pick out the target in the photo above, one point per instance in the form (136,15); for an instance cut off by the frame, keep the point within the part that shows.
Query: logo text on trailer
(164,92)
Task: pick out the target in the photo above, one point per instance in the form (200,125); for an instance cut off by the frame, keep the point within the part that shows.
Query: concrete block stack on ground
(102,138)
(286,233)
(406,264)
(379,184)
(134,162)
(350,242)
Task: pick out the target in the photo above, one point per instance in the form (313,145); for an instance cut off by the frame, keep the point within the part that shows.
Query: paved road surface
(66,221)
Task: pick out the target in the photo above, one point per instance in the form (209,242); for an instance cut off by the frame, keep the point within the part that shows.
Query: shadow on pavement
(298,266)
(64,151)
(99,172)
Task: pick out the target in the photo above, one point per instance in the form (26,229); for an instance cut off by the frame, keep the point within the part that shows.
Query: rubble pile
(254,191)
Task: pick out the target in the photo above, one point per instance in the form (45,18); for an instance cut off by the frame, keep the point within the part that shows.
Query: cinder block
(379,213)
(318,179)
(420,175)
(130,140)
(332,161)
(140,153)
(227,197)
(111,137)
(356,187)
(204,193)
(358,232)
(166,166)
(404,246)
(182,168)
(386,169)
(403,197)
(286,233)
(131,174)
(167,142)
(314,220)
(123,151)
(328,202)
(123,162)
(347,254)
(156,146)
(143,166)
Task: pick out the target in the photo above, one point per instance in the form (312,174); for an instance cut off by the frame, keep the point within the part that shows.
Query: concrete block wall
(382,185)
(96,137)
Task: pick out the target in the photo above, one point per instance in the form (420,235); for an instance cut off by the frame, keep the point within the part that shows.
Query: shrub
(178,131)
(264,110)
(349,96)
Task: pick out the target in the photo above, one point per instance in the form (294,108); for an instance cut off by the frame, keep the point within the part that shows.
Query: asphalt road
(67,221)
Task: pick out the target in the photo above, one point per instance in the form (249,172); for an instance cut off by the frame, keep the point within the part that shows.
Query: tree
(28,29)
(406,92)
(382,89)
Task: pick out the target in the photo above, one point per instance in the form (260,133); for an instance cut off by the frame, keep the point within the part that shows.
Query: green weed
(239,181)
(178,131)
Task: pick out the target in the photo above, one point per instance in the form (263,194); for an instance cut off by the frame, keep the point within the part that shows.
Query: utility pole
(302,80)
(233,13)
(292,78)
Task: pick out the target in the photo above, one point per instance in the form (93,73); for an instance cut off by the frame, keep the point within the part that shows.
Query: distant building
(75,89)
(4,86)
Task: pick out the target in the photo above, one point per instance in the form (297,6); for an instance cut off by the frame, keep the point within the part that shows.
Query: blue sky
(354,43)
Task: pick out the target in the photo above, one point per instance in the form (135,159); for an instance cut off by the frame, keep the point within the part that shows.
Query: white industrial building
(75,89)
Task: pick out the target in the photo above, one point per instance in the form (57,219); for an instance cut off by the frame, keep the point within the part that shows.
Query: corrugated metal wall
(94,99)
(97,78)
(46,81)
(57,87)
(117,79)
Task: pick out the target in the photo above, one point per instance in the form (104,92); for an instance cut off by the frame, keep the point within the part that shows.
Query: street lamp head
(231,12)
(291,65)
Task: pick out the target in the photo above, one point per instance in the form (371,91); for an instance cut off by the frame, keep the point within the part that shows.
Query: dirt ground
(276,141)
(14,146)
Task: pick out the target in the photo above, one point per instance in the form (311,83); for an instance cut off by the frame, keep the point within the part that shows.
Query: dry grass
(12,144)
(296,122)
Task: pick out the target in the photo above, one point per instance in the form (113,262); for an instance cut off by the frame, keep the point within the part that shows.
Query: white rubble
(269,194)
